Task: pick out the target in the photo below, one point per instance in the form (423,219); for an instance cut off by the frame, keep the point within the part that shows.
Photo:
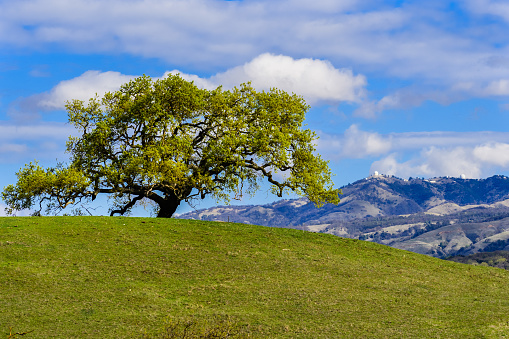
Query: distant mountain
(439,216)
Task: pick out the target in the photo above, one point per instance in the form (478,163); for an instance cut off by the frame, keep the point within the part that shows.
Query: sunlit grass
(102,277)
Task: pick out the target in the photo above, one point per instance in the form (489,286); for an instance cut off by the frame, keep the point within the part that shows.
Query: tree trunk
(168,207)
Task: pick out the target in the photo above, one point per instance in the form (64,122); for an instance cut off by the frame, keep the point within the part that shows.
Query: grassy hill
(103,277)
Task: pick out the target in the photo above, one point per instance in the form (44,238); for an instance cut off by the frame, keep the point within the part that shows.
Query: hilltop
(97,277)
(440,216)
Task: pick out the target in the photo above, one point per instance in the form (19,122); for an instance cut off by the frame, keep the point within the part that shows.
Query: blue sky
(409,88)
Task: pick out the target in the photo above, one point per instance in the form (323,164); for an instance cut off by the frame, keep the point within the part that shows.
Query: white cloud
(493,88)
(432,162)
(12,148)
(200,82)
(358,144)
(39,131)
(428,154)
(473,161)
(41,140)
(418,140)
(315,80)
(493,154)
(411,40)
(489,7)
(408,97)
(424,42)
(452,162)
(497,88)
(84,87)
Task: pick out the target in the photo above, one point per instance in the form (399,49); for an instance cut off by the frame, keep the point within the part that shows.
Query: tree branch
(126,207)
(251,164)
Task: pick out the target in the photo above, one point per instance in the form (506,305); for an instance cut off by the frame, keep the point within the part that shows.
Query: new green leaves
(168,141)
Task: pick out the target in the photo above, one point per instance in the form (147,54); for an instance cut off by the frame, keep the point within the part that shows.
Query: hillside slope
(97,277)
(410,207)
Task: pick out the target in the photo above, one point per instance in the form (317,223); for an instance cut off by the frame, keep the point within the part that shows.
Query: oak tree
(169,141)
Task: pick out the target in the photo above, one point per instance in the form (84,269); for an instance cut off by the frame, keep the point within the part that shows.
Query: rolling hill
(114,277)
(439,217)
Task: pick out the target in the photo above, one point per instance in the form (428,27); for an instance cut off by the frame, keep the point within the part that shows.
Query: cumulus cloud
(494,153)
(200,82)
(354,144)
(179,31)
(84,87)
(428,154)
(451,162)
(473,161)
(316,80)
(433,162)
(421,41)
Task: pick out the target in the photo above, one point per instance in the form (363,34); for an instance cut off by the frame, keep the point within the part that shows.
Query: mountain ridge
(420,206)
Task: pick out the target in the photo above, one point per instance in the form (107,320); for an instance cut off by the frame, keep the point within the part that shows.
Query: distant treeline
(499,259)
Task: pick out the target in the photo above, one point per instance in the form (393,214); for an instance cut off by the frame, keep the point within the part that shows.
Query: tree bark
(168,207)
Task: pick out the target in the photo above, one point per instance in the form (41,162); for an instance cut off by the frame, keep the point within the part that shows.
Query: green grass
(103,277)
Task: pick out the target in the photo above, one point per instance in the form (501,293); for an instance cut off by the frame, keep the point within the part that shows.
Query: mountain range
(440,217)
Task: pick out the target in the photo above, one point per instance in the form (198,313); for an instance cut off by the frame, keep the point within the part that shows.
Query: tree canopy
(169,141)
